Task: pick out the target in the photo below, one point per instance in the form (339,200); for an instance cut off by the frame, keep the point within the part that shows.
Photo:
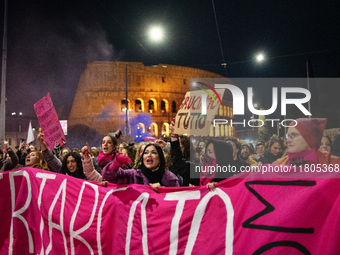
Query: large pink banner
(48,213)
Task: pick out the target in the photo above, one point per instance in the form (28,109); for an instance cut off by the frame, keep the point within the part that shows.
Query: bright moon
(260,57)
(156,34)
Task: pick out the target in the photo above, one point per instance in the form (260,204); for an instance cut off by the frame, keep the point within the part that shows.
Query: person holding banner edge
(152,171)
(35,159)
(120,160)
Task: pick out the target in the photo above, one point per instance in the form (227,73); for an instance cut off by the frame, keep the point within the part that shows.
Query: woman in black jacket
(217,153)
(273,151)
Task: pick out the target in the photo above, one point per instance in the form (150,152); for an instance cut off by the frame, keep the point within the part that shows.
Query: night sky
(50,42)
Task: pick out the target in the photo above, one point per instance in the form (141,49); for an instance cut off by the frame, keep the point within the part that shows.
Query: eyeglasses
(292,135)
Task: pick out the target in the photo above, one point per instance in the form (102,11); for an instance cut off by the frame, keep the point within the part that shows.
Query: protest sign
(50,213)
(195,117)
(49,122)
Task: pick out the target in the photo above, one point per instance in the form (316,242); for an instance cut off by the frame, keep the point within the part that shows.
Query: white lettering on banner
(100,215)
(199,213)
(143,197)
(48,196)
(75,234)
(17,213)
(52,225)
(44,177)
(181,197)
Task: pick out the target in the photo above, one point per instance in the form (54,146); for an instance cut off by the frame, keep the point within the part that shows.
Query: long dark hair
(155,176)
(79,173)
(224,157)
(186,143)
(275,139)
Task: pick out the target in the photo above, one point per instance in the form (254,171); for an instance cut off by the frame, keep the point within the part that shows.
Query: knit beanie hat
(311,130)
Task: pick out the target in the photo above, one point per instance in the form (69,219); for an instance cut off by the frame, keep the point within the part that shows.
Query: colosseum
(153,94)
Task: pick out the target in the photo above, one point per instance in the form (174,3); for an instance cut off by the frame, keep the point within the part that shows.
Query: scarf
(103,159)
(77,174)
(304,157)
(40,166)
(153,177)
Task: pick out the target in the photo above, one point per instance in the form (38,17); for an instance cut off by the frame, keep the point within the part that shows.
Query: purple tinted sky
(50,41)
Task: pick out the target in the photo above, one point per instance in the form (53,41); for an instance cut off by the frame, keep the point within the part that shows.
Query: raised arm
(113,172)
(53,163)
(12,163)
(89,170)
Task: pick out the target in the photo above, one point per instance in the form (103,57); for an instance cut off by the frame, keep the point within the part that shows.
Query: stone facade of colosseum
(154,95)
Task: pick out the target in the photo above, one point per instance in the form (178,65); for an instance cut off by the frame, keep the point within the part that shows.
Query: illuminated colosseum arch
(139,105)
(165,129)
(222,133)
(164,106)
(152,105)
(154,129)
(217,130)
(123,105)
(220,110)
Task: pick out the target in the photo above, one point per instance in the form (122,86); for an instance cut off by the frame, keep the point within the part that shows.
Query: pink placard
(49,122)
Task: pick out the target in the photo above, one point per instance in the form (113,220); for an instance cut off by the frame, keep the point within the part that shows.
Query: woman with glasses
(303,140)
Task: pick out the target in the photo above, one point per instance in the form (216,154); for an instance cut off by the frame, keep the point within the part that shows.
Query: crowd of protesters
(171,162)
